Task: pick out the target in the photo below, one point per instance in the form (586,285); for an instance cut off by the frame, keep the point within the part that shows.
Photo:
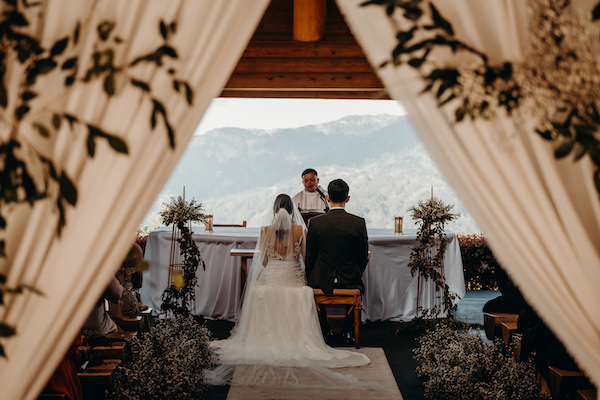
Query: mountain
(236,173)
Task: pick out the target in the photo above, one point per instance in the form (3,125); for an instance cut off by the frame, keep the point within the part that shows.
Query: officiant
(312,200)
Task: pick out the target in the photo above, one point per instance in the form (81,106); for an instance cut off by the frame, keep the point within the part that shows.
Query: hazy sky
(287,113)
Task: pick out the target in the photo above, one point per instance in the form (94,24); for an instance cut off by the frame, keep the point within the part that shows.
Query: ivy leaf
(91,144)
(56,121)
(2,246)
(118,39)
(142,85)
(412,13)
(61,216)
(580,151)
(163,29)
(448,99)
(44,66)
(171,134)
(59,47)
(547,134)
(416,62)
(69,80)
(564,149)
(70,63)
(117,144)
(17,19)
(109,85)
(189,94)
(176,84)
(42,129)
(3,94)
(460,113)
(67,189)
(2,226)
(440,21)
(11,2)
(76,33)
(26,96)
(71,118)
(6,330)
(596,12)
(173,26)
(21,111)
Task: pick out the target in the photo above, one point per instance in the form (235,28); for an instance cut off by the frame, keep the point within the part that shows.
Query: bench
(587,394)
(492,322)
(347,297)
(508,329)
(95,380)
(564,383)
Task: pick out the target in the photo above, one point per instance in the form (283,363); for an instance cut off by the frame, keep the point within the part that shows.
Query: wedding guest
(337,251)
(130,301)
(510,301)
(313,197)
(99,320)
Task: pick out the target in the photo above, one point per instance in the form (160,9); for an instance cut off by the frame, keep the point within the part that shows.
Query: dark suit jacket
(336,247)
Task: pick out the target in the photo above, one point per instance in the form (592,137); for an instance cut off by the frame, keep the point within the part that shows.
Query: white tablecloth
(390,290)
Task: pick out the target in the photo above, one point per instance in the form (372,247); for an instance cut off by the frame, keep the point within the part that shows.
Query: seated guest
(510,301)
(313,197)
(541,343)
(99,320)
(130,301)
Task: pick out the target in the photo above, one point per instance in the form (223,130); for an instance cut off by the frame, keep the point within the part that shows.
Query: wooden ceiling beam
(289,81)
(302,65)
(324,48)
(309,20)
(374,94)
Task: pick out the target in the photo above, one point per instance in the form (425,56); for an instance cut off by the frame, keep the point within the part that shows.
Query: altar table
(390,290)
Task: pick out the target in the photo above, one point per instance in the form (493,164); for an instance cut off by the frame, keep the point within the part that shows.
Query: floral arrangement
(431,216)
(458,365)
(180,212)
(180,295)
(167,362)
(555,84)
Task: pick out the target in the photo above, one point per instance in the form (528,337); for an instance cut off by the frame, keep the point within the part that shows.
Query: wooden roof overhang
(304,49)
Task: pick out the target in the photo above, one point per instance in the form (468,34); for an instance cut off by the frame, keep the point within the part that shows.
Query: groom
(336,251)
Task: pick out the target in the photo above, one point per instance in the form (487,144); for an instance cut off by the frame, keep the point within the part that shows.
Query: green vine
(27,175)
(556,82)
(180,295)
(427,256)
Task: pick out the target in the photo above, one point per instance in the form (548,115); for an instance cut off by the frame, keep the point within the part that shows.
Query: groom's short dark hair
(338,191)
(308,171)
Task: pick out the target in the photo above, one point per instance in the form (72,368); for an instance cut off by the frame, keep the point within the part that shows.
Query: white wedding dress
(278,324)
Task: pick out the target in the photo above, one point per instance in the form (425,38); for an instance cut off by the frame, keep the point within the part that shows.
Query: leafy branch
(427,255)
(555,83)
(27,174)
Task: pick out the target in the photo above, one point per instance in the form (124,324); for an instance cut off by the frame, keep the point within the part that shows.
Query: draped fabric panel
(541,216)
(114,190)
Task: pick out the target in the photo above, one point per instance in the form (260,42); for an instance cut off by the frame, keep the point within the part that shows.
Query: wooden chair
(508,329)
(564,383)
(492,322)
(243,225)
(346,297)
(97,379)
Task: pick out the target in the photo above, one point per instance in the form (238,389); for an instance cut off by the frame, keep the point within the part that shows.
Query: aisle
(378,371)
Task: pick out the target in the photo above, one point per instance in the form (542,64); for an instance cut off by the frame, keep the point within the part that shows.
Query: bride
(278,329)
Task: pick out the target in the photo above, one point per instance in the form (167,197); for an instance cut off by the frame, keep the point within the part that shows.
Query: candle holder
(398,225)
(208,223)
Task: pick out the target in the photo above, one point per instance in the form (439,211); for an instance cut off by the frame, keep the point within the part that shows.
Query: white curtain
(542,217)
(114,190)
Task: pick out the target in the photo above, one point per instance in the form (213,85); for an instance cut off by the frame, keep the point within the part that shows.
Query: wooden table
(245,254)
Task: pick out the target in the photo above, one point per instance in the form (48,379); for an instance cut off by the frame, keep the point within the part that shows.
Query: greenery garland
(178,297)
(557,83)
(27,174)
(431,216)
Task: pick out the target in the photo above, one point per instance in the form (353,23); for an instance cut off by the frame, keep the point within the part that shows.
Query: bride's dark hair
(283,201)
